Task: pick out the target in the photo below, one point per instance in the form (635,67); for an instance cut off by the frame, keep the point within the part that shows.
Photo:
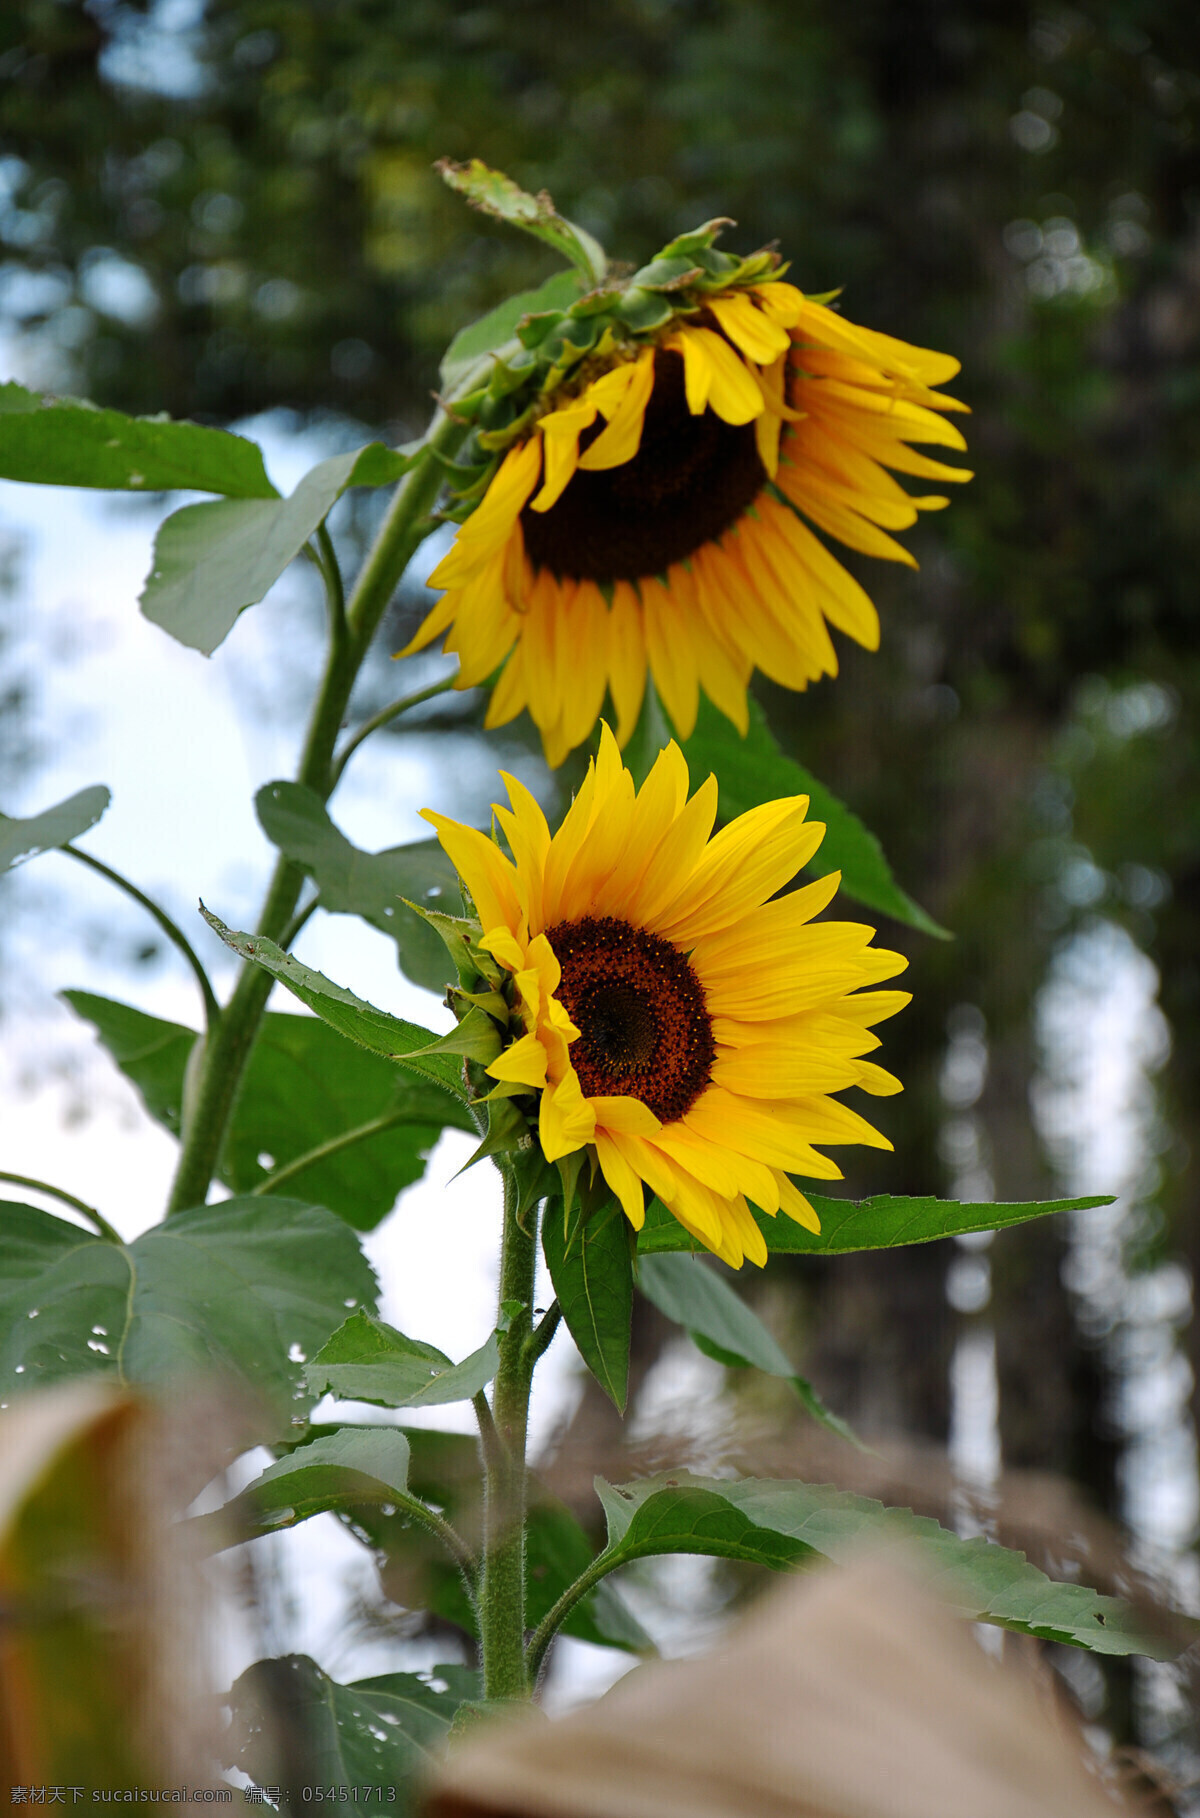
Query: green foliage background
(1016,184)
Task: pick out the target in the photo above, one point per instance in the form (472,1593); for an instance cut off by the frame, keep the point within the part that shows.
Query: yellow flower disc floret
(671,1013)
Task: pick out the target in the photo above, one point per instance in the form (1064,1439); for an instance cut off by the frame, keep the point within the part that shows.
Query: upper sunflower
(647,452)
(671,1019)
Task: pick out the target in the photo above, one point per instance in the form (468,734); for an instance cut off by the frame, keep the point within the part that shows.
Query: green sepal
(490,1002)
(568,1173)
(642,311)
(664,273)
(697,241)
(476,1038)
(534,1177)
(460,933)
(532,330)
(507,1131)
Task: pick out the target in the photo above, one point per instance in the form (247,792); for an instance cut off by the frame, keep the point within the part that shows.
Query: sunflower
(648,512)
(671,1015)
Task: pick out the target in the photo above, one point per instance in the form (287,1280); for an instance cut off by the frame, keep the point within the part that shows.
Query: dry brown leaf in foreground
(846,1694)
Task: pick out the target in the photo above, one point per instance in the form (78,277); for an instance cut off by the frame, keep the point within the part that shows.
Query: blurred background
(227,211)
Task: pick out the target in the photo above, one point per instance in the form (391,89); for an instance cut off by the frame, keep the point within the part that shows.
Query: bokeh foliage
(245,216)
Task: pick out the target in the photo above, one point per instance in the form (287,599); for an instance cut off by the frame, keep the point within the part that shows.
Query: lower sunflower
(671,1015)
(654,521)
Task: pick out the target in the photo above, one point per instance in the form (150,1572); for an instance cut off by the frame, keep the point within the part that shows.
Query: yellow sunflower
(649,518)
(673,1020)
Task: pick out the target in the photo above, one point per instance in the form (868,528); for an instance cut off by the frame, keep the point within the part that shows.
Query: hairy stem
(227,1050)
(550,1624)
(502,1582)
(175,934)
(100,1224)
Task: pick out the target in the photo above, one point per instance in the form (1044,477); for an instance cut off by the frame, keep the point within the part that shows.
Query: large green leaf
(375,885)
(753,769)
(365,1360)
(213,560)
(591,1269)
(53,827)
(352,1466)
(883,1223)
(289,1719)
(690,1291)
(776,1523)
(496,332)
(243,1291)
(400,1041)
(497,195)
(68,442)
(305,1086)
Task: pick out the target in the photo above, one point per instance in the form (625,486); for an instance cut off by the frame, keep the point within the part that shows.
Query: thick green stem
(502,1582)
(219,1070)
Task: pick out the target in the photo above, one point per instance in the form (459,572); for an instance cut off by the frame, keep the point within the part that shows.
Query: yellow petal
(715,376)
(510,693)
(781,301)
(766,934)
(565,1119)
(488,875)
(624,1117)
(504,946)
(626,659)
(876,1080)
(434,622)
(491,522)
(670,647)
(524,1064)
(620,441)
(560,432)
(793,1202)
(623,1180)
(757,336)
(758,1130)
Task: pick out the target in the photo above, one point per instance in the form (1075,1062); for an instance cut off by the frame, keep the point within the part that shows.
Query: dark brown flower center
(691,478)
(644,1031)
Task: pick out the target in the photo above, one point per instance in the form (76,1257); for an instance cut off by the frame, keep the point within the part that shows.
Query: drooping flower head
(651,454)
(667,1016)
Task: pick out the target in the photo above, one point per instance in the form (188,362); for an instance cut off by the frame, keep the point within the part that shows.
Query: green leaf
(68,442)
(53,827)
(380,1732)
(883,1223)
(374,885)
(497,331)
(353,1465)
(237,1291)
(754,770)
(591,1269)
(212,561)
(304,1086)
(360,1022)
(365,1360)
(718,1320)
(776,1523)
(492,193)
